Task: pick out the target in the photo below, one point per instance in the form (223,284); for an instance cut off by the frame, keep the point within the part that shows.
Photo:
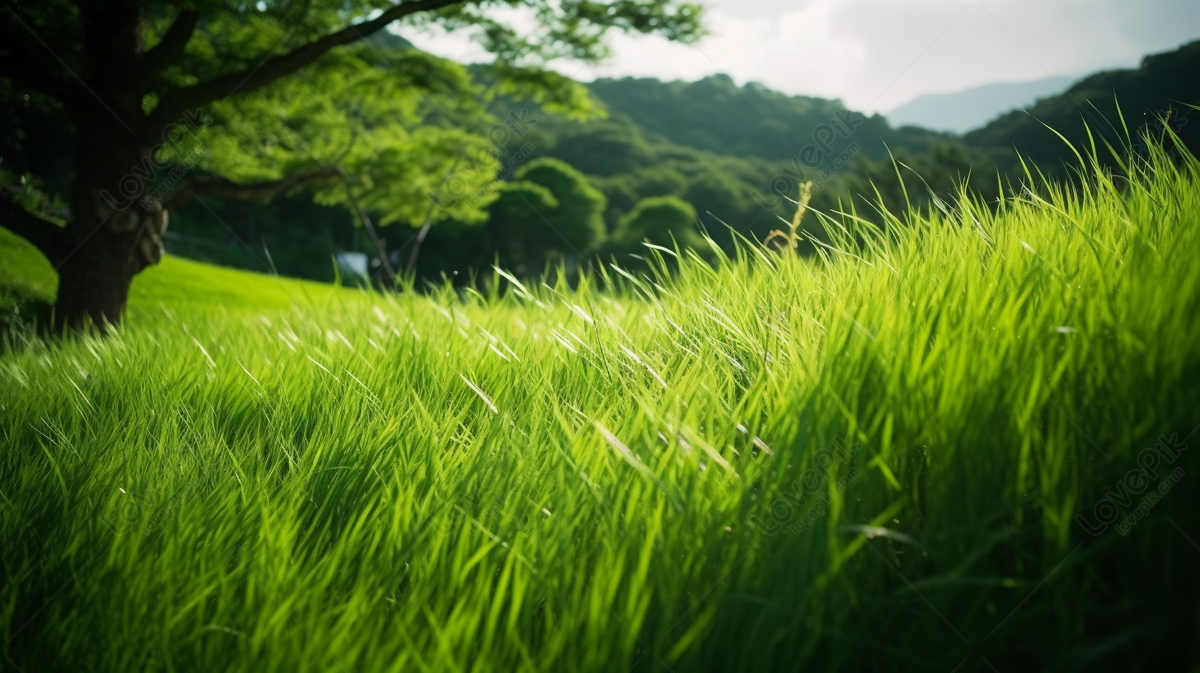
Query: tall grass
(866,461)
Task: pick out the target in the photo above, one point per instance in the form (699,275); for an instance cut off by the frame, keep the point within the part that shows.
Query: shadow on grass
(22,320)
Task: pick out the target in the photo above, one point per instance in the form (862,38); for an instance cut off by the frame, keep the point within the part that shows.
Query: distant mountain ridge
(753,122)
(1164,84)
(972,108)
(716,115)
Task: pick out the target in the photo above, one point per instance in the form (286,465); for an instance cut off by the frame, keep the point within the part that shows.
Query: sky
(876,55)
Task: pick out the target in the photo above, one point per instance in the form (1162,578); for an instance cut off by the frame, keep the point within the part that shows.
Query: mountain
(965,110)
(1164,84)
(716,115)
(734,153)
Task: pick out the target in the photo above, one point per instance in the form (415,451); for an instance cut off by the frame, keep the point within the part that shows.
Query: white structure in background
(352,264)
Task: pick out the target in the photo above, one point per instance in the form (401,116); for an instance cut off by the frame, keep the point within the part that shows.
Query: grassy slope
(24,272)
(193,286)
(618,481)
(176,283)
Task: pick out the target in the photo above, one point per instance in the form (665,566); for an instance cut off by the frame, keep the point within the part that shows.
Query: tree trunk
(93,283)
(115,230)
(89,289)
(110,247)
(116,225)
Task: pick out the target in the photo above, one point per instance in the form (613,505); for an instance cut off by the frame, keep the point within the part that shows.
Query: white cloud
(879,54)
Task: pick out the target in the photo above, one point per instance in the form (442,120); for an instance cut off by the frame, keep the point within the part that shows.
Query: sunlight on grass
(24,273)
(178,283)
(765,465)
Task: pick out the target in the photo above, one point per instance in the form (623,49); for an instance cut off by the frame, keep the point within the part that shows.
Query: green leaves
(575,29)
(576,226)
(667,221)
(677,21)
(393,122)
(555,93)
(407,127)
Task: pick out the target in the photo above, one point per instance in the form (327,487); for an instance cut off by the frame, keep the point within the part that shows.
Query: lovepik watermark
(1152,464)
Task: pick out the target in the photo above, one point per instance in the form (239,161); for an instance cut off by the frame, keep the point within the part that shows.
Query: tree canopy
(164,101)
(548,213)
(576,226)
(667,221)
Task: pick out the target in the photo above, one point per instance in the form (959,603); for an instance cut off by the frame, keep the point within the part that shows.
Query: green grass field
(868,461)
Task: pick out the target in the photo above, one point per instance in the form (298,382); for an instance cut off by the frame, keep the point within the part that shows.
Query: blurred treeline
(728,158)
(669,161)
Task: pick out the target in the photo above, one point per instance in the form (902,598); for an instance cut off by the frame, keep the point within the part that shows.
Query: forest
(630,159)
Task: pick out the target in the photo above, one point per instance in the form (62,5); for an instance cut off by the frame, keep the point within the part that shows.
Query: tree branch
(173,42)
(26,65)
(255,191)
(30,74)
(175,103)
(380,244)
(43,234)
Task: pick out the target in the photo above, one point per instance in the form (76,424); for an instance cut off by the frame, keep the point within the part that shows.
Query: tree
(145,83)
(552,213)
(511,216)
(574,225)
(548,211)
(667,221)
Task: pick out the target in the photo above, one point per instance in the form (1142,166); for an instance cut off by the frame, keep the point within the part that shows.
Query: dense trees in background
(582,174)
(548,213)
(247,101)
(734,153)
(1166,87)
(715,114)
(665,221)
(574,226)
(628,163)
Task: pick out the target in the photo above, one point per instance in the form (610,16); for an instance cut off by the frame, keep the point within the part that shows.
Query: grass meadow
(957,442)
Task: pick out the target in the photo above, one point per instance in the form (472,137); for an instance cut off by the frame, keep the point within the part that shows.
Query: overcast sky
(878,54)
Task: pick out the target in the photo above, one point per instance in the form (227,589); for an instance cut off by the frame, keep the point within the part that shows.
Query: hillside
(1165,83)
(716,115)
(733,154)
(28,283)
